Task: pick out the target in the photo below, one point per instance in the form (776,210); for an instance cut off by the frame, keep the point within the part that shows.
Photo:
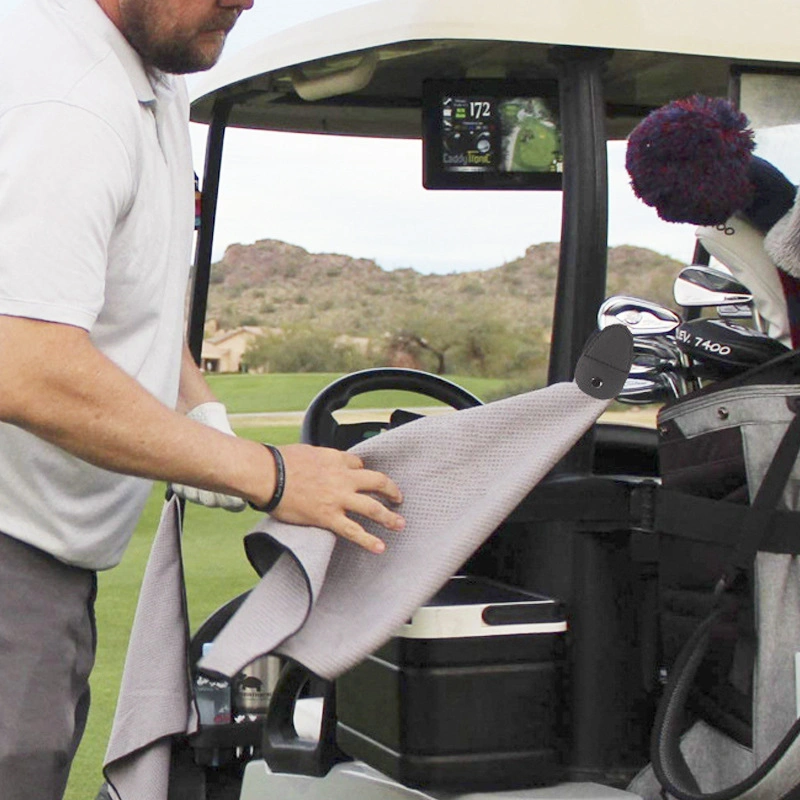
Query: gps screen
(491,135)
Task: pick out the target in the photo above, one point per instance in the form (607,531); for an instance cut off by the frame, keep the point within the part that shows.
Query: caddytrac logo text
(472,158)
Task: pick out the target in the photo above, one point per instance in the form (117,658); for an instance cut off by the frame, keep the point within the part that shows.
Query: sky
(364,198)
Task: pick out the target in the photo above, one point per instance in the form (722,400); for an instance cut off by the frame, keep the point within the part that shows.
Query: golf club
(647,389)
(698,286)
(641,317)
(722,348)
(739,246)
(707,287)
(736,311)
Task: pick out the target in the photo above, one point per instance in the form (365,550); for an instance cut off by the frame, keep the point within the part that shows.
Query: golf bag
(727,521)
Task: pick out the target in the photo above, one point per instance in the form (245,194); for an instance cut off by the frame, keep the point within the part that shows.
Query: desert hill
(275,284)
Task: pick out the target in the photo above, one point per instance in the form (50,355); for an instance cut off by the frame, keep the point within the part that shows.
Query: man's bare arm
(57,385)
(193,387)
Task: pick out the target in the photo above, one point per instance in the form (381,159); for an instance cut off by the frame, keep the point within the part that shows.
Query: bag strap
(598,503)
(669,764)
(710,521)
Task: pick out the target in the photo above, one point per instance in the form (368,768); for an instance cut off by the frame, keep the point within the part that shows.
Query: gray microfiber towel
(328,603)
(155,698)
(461,474)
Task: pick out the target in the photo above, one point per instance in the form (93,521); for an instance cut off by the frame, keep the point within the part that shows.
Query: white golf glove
(215,416)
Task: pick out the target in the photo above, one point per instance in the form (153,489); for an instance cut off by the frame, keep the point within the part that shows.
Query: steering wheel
(320,428)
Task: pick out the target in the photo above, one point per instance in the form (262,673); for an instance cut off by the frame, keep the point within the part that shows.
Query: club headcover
(692,160)
(689,160)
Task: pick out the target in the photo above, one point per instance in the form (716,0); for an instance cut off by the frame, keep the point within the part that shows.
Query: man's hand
(324,486)
(215,416)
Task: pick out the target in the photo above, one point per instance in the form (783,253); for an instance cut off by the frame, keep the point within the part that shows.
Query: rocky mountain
(275,284)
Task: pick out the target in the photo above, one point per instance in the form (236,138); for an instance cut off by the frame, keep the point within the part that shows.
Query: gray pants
(47,646)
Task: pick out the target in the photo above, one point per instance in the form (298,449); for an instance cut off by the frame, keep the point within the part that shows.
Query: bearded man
(99,395)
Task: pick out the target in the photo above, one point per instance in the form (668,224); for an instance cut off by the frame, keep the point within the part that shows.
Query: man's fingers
(204,497)
(373,509)
(378,483)
(350,529)
(353,461)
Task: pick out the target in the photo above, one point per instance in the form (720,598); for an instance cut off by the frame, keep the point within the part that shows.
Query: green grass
(274,434)
(243,394)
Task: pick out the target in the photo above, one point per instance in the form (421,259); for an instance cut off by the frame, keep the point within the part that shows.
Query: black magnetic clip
(604,365)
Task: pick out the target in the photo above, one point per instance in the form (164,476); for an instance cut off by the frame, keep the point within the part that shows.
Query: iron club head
(640,317)
(699,286)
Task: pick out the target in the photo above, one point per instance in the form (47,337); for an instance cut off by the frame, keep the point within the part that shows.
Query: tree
(469,343)
(304,349)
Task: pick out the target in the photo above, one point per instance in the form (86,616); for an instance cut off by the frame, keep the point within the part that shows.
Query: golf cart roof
(363,68)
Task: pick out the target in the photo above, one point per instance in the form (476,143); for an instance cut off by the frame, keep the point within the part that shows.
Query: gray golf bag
(727,535)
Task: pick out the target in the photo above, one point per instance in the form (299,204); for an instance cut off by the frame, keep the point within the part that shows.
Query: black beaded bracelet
(280,482)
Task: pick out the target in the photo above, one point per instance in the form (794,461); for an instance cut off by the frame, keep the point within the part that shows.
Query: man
(96,203)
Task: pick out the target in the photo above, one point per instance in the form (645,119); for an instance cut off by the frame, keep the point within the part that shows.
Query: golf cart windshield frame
(582,269)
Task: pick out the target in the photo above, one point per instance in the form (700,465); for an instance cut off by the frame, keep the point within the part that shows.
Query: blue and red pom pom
(690,160)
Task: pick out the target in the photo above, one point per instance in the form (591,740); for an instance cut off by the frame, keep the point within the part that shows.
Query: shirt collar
(149,85)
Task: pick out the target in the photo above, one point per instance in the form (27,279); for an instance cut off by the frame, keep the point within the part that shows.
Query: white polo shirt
(96,213)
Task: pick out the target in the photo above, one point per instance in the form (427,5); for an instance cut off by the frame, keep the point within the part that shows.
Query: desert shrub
(305,350)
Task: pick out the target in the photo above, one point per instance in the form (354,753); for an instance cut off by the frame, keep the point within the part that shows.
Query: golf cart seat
(625,450)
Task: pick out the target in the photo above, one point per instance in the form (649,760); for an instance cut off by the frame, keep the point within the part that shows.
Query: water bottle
(213,697)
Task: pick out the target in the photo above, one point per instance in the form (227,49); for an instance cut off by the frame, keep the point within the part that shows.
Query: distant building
(223,351)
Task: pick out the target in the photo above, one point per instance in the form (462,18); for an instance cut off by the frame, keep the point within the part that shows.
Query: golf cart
(394,69)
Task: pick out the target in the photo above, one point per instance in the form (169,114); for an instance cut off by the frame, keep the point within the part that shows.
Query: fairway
(535,146)
(250,394)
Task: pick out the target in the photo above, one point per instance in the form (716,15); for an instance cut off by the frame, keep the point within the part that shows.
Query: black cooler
(467,695)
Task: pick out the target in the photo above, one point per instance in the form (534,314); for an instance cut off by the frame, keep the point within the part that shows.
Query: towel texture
(461,475)
(155,699)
